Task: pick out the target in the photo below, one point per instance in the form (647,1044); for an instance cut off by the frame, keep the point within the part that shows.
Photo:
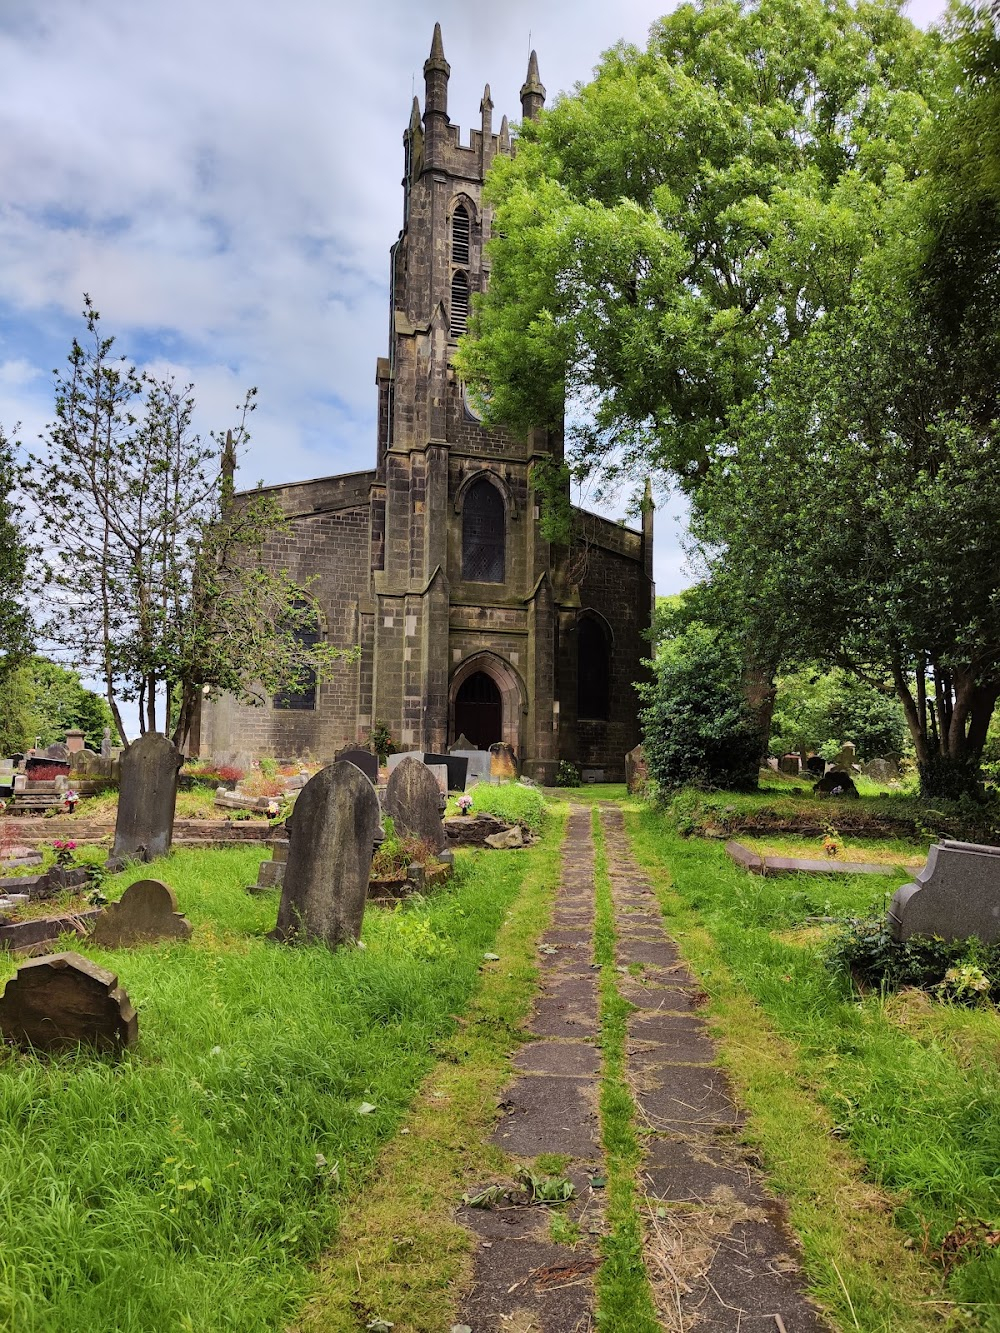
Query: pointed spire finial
(504,136)
(415,124)
(532,91)
(436,58)
(487,103)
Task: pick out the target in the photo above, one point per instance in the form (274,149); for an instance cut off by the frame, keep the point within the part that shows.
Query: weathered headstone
(847,756)
(789,765)
(106,744)
(457,766)
(145,824)
(62,1000)
(363,759)
(439,772)
(955,896)
(881,770)
(636,770)
(332,834)
(271,874)
(58,752)
(411,801)
(503,762)
(816,765)
(75,740)
(477,765)
(146,911)
(462,746)
(836,783)
(395,760)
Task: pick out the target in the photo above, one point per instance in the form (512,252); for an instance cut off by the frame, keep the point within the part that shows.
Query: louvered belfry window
(460,236)
(459,304)
(483,535)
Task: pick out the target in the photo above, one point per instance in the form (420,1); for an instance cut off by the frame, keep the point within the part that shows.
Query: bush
(865,948)
(698,728)
(567,774)
(512,802)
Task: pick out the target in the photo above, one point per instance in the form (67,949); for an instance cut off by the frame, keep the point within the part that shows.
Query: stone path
(718,1252)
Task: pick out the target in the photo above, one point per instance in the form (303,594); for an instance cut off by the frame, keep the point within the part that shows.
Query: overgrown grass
(624,1300)
(815,1066)
(510,801)
(400,1255)
(183,1187)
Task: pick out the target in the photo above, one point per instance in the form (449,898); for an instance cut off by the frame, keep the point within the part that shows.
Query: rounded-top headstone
(145,824)
(332,833)
(146,911)
(411,801)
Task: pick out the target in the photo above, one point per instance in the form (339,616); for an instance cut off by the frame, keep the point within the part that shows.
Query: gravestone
(955,896)
(836,783)
(332,834)
(363,759)
(62,1000)
(395,760)
(881,770)
(503,762)
(636,771)
(457,765)
(271,874)
(145,824)
(146,911)
(816,765)
(439,772)
(411,801)
(789,765)
(462,746)
(106,744)
(847,757)
(58,752)
(477,765)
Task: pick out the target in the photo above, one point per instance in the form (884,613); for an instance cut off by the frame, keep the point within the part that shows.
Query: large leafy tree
(15,623)
(667,229)
(157,582)
(41,701)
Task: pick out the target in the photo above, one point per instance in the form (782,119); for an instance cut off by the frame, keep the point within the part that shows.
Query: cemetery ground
(288,1145)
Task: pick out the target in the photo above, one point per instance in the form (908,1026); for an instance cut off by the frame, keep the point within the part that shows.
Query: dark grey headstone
(146,911)
(816,765)
(62,1000)
(145,824)
(363,759)
(332,834)
(411,801)
(955,896)
(457,765)
(836,783)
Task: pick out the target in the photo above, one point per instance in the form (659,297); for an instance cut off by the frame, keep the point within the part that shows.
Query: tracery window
(483,533)
(593,671)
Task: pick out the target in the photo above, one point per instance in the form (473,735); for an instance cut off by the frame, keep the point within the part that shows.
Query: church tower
(463,633)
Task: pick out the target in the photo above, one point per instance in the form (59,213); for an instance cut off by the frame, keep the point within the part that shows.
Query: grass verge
(861,1123)
(624,1300)
(400,1255)
(192,1184)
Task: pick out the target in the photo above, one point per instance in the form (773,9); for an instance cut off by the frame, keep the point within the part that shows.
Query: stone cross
(332,834)
(146,911)
(63,1000)
(145,824)
(955,896)
(411,801)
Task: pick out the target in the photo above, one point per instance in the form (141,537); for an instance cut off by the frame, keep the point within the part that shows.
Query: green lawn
(912,1086)
(191,1185)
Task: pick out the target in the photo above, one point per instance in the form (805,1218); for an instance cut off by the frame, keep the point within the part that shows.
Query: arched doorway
(479,710)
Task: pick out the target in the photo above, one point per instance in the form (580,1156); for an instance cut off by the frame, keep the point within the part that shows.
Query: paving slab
(572,1059)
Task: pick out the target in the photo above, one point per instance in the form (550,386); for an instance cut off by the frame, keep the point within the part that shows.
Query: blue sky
(222,176)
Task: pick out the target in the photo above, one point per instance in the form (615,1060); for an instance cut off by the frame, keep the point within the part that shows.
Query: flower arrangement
(64,852)
(465,804)
(70,799)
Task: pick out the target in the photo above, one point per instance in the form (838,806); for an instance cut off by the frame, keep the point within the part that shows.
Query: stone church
(434,563)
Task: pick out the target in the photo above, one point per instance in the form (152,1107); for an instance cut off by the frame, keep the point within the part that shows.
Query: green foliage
(817,710)
(15,624)
(380,741)
(567,774)
(44,700)
(697,726)
(510,801)
(188,1174)
(864,948)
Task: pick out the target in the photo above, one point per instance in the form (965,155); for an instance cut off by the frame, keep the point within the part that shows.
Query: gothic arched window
(593,670)
(483,533)
(302,624)
(460,230)
(459,304)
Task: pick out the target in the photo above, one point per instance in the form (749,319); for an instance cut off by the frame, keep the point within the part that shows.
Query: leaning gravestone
(955,896)
(636,771)
(332,834)
(147,911)
(411,801)
(816,765)
(145,824)
(62,1000)
(363,759)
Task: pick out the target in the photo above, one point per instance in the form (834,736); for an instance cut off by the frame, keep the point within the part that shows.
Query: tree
(816,709)
(665,230)
(157,582)
(42,700)
(15,624)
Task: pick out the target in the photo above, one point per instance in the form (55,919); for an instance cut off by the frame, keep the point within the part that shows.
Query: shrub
(865,948)
(512,802)
(567,774)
